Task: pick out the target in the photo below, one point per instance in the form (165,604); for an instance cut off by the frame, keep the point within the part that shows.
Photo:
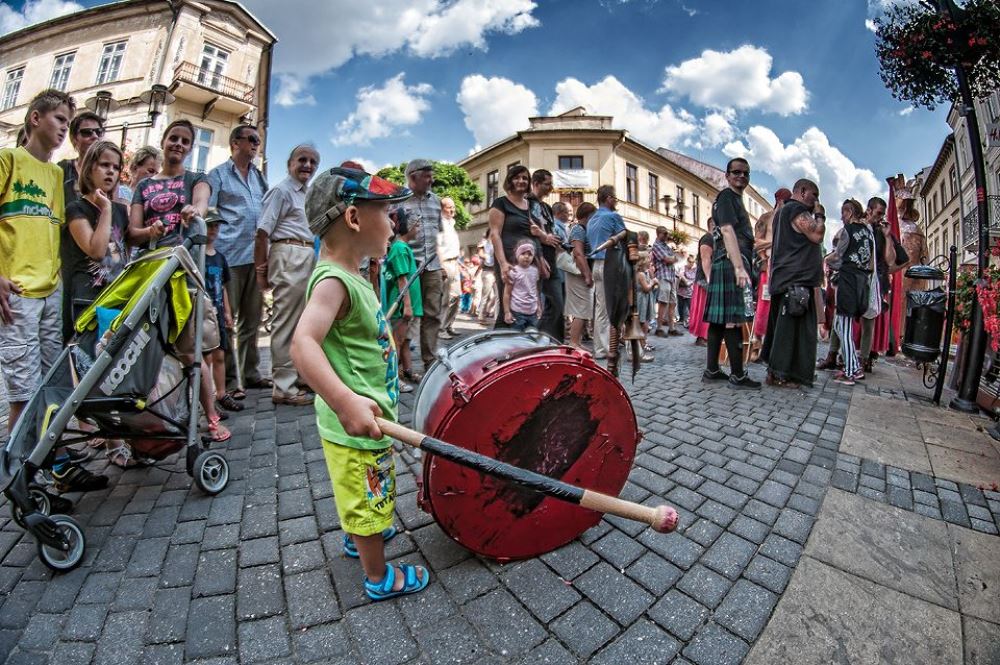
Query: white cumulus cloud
(809,156)
(33,11)
(383,109)
(739,79)
(291,92)
(495,107)
(663,127)
(316,36)
(716,129)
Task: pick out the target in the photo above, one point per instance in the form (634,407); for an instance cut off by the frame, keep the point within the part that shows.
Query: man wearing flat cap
(425,206)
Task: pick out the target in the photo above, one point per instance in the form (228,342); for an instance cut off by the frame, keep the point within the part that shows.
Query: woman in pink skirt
(696,325)
(763,233)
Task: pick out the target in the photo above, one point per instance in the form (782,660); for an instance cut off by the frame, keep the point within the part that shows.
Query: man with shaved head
(796,272)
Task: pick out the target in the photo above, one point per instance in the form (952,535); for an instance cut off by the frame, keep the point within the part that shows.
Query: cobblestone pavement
(257,574)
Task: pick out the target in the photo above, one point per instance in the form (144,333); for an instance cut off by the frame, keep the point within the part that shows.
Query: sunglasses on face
(91,132)
(744,174)
(251,139)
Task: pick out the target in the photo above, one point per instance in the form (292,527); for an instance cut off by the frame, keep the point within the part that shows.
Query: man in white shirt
(449,249)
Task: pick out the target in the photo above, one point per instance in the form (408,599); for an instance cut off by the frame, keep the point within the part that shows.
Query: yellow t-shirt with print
(31,215)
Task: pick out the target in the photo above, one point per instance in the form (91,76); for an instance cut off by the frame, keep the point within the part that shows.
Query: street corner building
(142,64)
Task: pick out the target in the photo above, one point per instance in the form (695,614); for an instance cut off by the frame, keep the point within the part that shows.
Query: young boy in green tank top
(343,348)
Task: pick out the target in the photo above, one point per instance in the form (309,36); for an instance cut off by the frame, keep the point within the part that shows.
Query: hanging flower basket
(918,51)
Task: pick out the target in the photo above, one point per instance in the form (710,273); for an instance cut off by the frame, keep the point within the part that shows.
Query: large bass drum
(523,399)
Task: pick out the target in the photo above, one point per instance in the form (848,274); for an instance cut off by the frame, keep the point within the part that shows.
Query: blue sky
(792,84)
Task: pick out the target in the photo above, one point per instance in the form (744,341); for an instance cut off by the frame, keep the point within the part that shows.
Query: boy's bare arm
(356,412)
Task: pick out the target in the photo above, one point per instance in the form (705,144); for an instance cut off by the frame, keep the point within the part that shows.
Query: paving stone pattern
(959,503)
(257,574)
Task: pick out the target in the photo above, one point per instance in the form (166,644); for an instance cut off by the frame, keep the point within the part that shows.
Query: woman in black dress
(510,222)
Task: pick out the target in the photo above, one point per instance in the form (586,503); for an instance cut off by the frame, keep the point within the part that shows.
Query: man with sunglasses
(86,129)
(238,189)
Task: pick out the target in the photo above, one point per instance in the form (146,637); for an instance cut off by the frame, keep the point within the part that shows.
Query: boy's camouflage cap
(333,191)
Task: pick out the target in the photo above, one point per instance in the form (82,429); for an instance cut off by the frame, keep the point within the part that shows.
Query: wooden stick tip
(666,519)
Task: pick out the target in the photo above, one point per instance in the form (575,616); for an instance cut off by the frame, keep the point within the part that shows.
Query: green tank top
(361,351)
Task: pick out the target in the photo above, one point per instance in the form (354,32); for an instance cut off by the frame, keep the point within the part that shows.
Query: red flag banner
(897,308)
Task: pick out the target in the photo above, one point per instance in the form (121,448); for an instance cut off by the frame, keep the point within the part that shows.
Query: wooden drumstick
(661,518)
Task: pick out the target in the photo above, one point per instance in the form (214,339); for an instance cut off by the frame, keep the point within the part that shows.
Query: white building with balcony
(209,61)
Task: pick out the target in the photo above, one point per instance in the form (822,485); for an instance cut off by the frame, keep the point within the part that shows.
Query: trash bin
(925,315)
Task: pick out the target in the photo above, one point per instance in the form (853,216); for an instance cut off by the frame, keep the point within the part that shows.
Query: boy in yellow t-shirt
(343,348)
(31,219)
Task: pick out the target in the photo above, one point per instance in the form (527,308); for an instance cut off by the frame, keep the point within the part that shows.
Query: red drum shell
(521,399)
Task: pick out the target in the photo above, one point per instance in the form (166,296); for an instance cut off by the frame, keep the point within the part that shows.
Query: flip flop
(411,582)
(351,550)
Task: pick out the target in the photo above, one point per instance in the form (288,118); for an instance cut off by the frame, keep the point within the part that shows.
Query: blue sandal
(411,583)
(351,550)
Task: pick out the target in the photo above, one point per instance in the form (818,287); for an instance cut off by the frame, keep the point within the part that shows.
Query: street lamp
(968,391)
(666,198)
(157,97)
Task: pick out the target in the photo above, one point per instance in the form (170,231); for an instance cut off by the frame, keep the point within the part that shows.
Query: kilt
(725,301)
(696,322)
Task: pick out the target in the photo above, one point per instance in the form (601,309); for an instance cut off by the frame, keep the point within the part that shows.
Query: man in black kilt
(730,301)
(796,272)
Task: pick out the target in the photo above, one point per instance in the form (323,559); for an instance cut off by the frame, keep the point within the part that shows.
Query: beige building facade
(939,202)
(654,187)
(988,115)
(212,56)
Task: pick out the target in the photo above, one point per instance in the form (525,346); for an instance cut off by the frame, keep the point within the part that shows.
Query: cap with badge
(334,191)
(212,216)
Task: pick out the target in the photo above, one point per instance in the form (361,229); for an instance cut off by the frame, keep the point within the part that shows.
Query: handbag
(797,300)
(565,262)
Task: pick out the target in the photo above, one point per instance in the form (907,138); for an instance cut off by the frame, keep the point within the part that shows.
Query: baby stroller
(131,381)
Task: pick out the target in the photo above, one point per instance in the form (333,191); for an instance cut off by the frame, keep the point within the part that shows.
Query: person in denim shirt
(238,189)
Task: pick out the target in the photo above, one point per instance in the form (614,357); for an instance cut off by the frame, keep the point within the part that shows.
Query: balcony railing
(970,223)
(188,72)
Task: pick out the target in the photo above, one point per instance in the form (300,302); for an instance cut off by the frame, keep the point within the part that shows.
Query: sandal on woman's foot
(229,403)
(218,431)
(412,582)
(351,550)
(239,394)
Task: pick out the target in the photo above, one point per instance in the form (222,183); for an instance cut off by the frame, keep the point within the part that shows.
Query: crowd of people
(771,292)
(391,268)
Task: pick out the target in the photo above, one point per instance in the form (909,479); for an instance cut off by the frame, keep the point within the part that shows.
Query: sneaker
(646,358)
(74,478)
(743,383)
(827,363)
(843,379)
(444,334)
(716,375)
(405,387)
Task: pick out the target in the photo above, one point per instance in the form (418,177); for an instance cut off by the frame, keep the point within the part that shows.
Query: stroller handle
(197,233)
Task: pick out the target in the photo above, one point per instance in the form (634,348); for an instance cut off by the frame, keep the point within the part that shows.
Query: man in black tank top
(796,271)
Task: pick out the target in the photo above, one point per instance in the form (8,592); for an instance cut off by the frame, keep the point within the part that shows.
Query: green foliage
(919,49)
(449,180)
(678,237)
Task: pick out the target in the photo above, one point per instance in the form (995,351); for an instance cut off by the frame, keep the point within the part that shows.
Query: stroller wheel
(64,560)
(211,472)
(42,504)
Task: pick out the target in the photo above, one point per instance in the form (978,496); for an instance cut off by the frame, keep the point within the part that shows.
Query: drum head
(555,413)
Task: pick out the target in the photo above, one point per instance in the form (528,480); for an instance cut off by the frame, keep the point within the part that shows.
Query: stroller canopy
(126,290)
